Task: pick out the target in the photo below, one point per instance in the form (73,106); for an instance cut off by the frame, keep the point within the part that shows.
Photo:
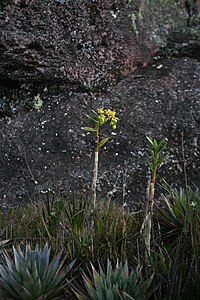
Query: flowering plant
(99,118)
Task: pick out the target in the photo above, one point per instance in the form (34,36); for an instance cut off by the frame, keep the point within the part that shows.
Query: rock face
(89,44)
(48,150)
(83,43)
(61,59)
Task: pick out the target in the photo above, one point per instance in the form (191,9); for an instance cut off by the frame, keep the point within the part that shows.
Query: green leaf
(161,160)
(89,129)
(150,141)
(149,165)
(94,112)
(128,297)
(69,267)
(91,119)
(102,142)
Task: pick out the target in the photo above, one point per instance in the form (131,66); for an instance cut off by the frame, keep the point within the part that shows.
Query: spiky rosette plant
(115,284)
(32,275)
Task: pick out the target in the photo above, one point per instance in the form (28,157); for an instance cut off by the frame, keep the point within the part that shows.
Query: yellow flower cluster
(105,115)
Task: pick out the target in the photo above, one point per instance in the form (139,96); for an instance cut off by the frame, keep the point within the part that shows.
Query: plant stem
(94,189)
(95,171)
(156,148)
(148,229)
(151,193)
(184,160)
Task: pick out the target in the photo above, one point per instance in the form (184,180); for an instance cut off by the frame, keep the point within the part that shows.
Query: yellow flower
(110,113)
(100,111)
(113,122)
(101,119)
(105,115)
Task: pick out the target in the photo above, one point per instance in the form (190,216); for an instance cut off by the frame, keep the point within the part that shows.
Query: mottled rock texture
(48,150)
(68,57)
(85,43)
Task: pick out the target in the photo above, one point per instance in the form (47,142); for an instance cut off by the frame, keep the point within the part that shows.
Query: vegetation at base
(173,264)
(155,250)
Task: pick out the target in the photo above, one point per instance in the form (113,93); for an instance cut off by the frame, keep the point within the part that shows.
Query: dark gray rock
(63,58)
(90,44)
(48,150)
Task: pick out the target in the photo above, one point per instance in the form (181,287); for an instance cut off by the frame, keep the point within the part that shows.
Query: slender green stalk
(95,171)
(184,160)
(99,118)
(155,148)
